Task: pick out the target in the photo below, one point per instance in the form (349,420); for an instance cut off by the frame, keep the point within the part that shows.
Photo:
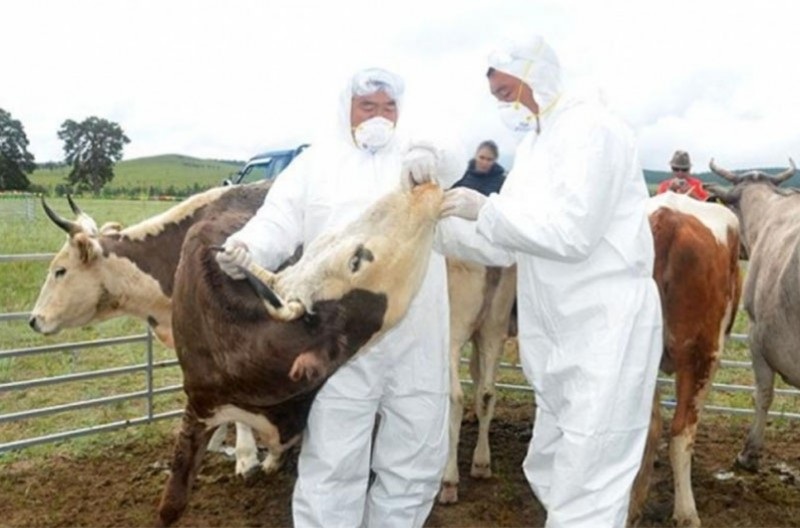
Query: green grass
(19,287)
(157,171)
(20,281)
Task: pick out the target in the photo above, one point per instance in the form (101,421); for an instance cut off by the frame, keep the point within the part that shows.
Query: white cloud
(226,80)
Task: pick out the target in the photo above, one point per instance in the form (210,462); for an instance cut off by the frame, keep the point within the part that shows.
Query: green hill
(170,174)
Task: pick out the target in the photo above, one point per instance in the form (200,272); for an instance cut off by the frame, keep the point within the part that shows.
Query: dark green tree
(15,160)
(92,147)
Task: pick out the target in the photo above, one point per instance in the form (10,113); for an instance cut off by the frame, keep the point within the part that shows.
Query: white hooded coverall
(572,215)
(403,377)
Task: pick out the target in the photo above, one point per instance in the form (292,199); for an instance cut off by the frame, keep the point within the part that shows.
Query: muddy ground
(120,485)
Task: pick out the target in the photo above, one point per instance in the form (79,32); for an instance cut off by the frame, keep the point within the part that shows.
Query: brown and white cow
(262,363)
(103,273)
(481,299)
(697,272)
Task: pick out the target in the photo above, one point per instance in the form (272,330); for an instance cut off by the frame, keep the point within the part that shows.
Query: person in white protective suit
(403,377)
(572,216)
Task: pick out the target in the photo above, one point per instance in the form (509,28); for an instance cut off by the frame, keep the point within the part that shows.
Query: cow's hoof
(481,471)
(271,464)
(747,462)
(246,464)
(167,515)
(449,493)
(688,521)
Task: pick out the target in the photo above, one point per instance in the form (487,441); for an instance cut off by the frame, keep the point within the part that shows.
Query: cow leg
(450,479)
(275,451)
(695,372)
(246,450)
(190,446)
(218,438)
(465,284)
(484,372)
(641,484)
(681,446)
(490,341)
(271,437)
(749,457)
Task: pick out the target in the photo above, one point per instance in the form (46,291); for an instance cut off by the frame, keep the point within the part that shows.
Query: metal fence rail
(146,394)
(662,381)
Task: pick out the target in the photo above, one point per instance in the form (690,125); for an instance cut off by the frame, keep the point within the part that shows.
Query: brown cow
(481,299)
(697,272)
(262,364)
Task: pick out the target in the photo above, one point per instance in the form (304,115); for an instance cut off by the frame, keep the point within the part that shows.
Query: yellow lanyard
(541,112)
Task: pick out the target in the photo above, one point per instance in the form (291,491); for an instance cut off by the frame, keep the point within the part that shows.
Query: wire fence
(17,206)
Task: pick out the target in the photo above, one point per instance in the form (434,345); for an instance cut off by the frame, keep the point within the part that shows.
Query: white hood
(536,64)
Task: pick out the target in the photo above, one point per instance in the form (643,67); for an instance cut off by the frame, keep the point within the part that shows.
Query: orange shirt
(689,185)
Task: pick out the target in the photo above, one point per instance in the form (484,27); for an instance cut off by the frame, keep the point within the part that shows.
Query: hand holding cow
(419,163)
(463,202)
(233,258)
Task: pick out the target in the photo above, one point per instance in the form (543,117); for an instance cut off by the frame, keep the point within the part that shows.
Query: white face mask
(516,116)
(373,134)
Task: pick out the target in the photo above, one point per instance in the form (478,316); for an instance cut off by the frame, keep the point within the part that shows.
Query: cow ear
(88,247)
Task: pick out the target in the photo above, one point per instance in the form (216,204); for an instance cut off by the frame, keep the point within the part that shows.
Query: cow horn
(67,225)
(73,206)
(277,307)
(263,291)
(725,173)
(785,175)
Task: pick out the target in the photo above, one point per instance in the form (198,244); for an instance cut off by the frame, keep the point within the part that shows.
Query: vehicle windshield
(265,169)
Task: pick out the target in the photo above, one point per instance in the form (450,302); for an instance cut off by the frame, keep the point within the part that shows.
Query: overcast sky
(215,79)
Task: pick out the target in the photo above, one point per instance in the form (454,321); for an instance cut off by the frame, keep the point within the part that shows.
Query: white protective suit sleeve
(569,228)
(459,238)
(276,230)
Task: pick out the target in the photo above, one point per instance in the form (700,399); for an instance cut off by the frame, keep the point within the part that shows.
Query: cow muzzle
(38,324)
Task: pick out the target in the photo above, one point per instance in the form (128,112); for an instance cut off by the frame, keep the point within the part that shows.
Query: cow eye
(361,253)
(60,272)
(355,263)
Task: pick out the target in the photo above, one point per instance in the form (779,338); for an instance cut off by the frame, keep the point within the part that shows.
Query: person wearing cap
(572,216)
(404,376)
(682,181)
(484,174)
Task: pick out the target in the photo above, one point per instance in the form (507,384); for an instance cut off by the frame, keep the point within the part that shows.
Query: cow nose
(32,323)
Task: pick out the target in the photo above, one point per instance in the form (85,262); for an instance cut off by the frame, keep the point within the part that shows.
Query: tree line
(91,148)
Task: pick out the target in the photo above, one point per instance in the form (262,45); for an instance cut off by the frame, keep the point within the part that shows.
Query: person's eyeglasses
(676,169)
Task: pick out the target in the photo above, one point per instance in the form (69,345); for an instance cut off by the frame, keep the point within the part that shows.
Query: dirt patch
(121,486)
